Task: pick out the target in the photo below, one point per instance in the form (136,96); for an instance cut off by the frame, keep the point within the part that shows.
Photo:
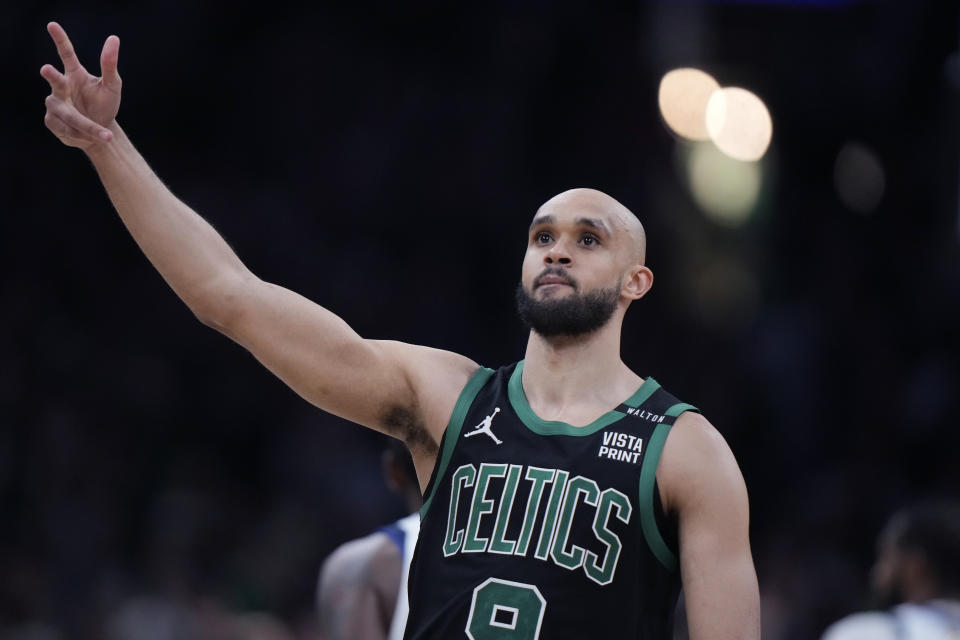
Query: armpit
(407,424)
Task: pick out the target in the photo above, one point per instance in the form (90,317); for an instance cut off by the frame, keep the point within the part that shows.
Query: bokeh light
(739,123)
(859,178)
(726,190)
(683,98)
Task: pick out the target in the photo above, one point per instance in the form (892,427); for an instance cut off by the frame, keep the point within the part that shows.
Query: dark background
(385,160)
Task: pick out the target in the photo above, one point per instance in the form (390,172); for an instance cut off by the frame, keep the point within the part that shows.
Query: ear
(637,282)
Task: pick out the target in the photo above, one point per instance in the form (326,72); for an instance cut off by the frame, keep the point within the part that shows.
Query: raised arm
(701,482)
(378,384)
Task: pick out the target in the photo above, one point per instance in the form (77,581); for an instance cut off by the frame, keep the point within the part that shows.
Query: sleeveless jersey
(539,529)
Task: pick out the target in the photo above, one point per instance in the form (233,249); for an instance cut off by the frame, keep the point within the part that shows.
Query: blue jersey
(403,533)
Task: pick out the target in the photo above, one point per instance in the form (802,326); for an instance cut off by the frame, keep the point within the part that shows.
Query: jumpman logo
(484,427)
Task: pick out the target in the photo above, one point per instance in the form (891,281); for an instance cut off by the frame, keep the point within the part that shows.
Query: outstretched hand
(81,106)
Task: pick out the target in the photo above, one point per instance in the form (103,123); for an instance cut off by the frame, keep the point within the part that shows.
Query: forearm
(190,255)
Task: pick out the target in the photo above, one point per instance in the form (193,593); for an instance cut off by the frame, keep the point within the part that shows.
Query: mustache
(556,272)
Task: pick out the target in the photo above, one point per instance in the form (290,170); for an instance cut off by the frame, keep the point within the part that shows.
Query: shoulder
(693,431)
(872,625)
(436,378)
(420,354)
(697,462)
(443,372)
(360,561)
(358,588)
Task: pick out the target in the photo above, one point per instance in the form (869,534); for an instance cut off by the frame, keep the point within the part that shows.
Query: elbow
(209,316)
(218,305)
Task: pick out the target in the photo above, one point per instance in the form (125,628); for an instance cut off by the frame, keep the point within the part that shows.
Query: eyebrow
(595,223)
(547,219)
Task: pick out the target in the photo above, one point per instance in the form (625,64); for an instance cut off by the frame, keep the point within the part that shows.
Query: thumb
(108,63)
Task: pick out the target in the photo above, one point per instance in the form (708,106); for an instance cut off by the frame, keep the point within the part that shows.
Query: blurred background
(385,161)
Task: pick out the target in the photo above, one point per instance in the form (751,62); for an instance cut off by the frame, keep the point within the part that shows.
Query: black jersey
(538,529)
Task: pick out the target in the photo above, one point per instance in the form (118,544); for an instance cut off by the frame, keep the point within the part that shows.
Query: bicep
(719,582)
(374,383)
(314,352)
(708,493)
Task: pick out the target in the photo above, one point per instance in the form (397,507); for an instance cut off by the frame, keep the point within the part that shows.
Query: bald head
(591,203)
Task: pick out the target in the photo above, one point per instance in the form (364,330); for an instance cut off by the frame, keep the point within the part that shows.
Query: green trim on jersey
(648,478)
(452,433)
(556,428)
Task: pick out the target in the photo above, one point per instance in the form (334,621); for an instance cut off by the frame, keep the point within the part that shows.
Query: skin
(886,574)
(358,590)
(409,391)
(902,574)
(360,580)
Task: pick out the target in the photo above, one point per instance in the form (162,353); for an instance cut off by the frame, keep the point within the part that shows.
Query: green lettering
(602,573)
(481,506)
(499,544)
(550,518)
(539,477)
(462,477)
(574,558)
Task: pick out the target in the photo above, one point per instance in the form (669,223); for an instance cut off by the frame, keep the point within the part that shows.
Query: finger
(88,129)
(64,48)
(67,134)
(62,130)
(108,63)
(57,81)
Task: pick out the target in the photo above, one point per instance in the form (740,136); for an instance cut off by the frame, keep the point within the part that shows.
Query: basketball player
(915,580)
(362,593)
(565,496)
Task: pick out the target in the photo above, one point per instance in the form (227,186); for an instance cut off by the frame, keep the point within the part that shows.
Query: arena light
(739,123)
(683,98)
(726,190)
(859,178)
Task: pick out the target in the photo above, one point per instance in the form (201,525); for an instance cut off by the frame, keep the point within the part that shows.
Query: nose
(557,254)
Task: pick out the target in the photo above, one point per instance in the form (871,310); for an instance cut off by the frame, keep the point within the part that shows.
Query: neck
(564,373)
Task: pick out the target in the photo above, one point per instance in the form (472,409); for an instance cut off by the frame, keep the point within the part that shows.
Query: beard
(572,315)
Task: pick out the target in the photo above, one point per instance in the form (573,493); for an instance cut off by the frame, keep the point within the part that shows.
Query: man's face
(886,576)
(573,268)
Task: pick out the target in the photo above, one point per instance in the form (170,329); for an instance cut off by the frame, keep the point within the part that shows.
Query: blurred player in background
(915,581)
(362,593)
(580,493)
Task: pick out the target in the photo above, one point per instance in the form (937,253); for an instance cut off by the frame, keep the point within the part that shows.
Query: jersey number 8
(505,610)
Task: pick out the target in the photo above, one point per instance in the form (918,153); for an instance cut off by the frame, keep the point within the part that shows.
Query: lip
(551,279)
